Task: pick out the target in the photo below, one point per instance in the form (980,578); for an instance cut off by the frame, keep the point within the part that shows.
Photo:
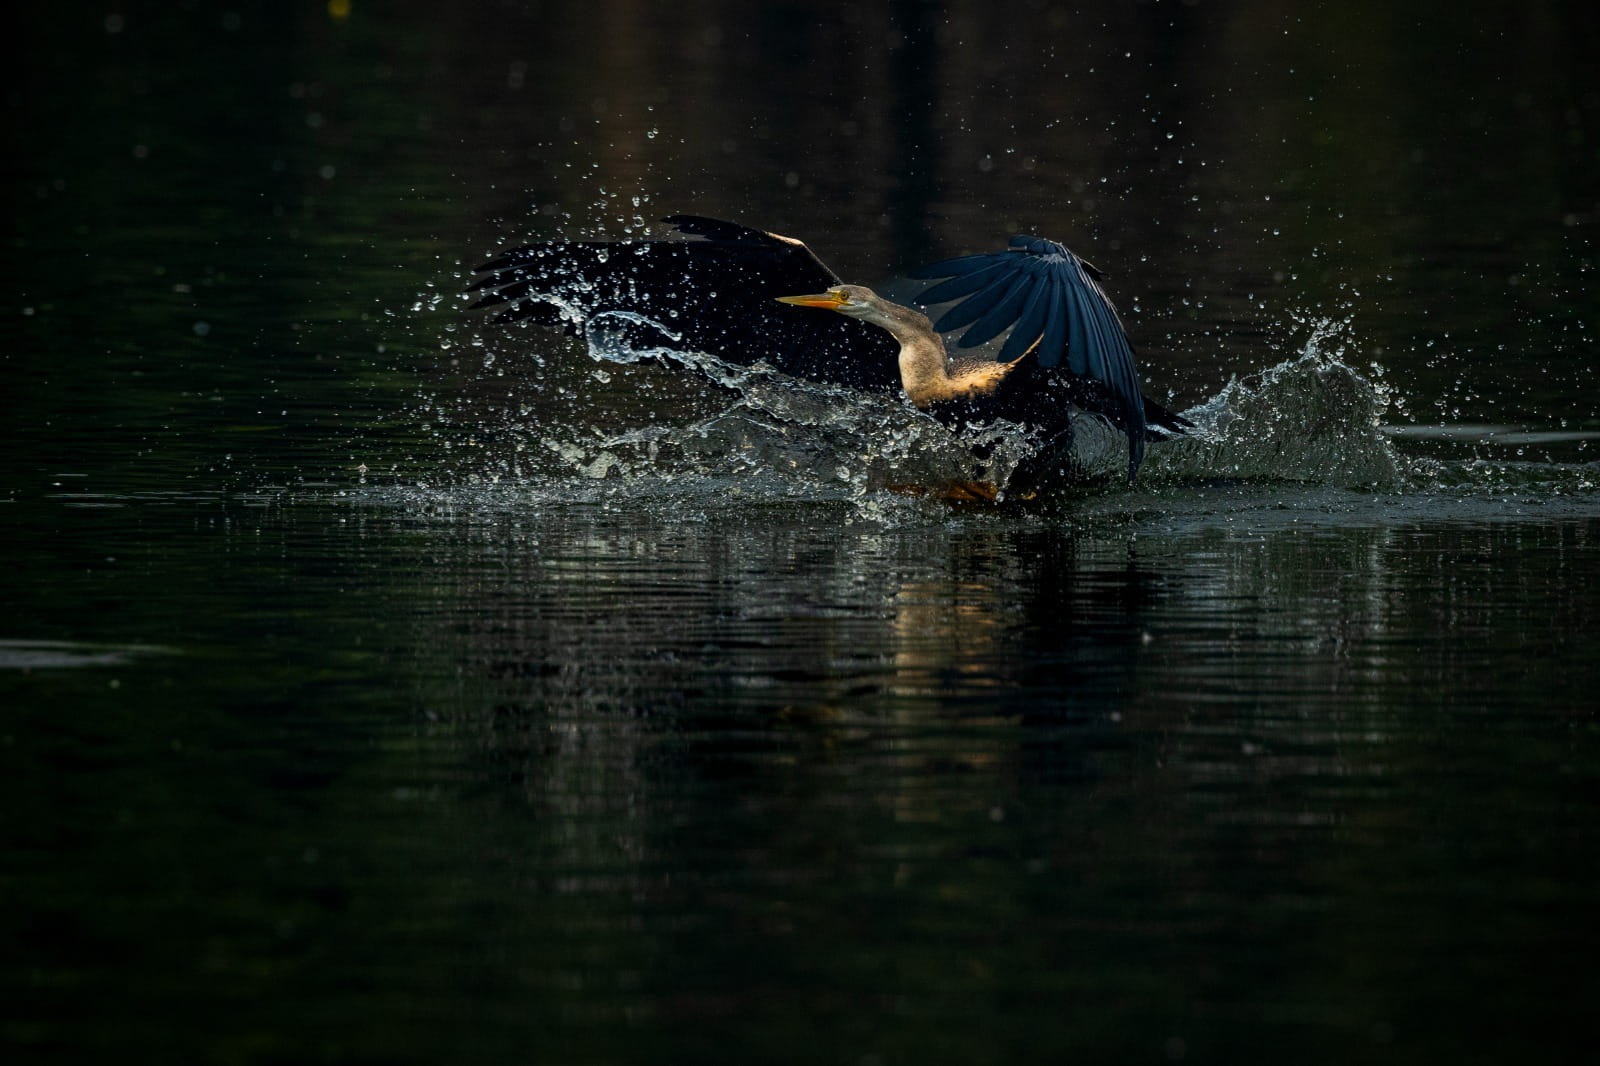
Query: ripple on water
(63,654)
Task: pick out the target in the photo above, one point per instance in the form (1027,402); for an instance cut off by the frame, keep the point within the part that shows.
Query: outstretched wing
(1044,294)
(713,287)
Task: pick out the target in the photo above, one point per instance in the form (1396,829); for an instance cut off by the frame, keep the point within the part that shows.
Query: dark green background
(430,763)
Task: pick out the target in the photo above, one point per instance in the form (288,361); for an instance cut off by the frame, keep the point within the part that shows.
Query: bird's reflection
(610,657)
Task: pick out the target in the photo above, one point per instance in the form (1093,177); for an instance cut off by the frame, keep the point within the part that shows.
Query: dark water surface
(379,687)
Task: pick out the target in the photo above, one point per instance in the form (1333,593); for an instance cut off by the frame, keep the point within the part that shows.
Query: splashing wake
(790,436)
(1311,420)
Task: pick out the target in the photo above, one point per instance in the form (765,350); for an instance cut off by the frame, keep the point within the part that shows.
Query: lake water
(380,686)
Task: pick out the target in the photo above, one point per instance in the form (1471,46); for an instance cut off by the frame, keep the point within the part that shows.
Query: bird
(927,373)
(749,296)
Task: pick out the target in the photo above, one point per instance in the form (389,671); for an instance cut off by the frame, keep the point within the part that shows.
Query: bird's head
(857,301)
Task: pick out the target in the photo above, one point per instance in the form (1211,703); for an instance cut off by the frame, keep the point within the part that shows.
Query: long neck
(924,365)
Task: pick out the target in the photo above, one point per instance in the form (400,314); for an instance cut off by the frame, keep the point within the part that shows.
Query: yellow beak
(831,300)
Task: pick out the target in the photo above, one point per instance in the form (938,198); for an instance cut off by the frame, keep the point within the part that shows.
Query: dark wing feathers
(713,285)
(1042,292)
(1030,325)
(1001,313)
(964,284)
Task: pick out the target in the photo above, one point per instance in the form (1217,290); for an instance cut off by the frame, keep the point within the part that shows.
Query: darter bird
(739,294)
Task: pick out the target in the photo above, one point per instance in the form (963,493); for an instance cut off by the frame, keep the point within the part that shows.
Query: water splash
(1311,418)
(792,436)
(622,424)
